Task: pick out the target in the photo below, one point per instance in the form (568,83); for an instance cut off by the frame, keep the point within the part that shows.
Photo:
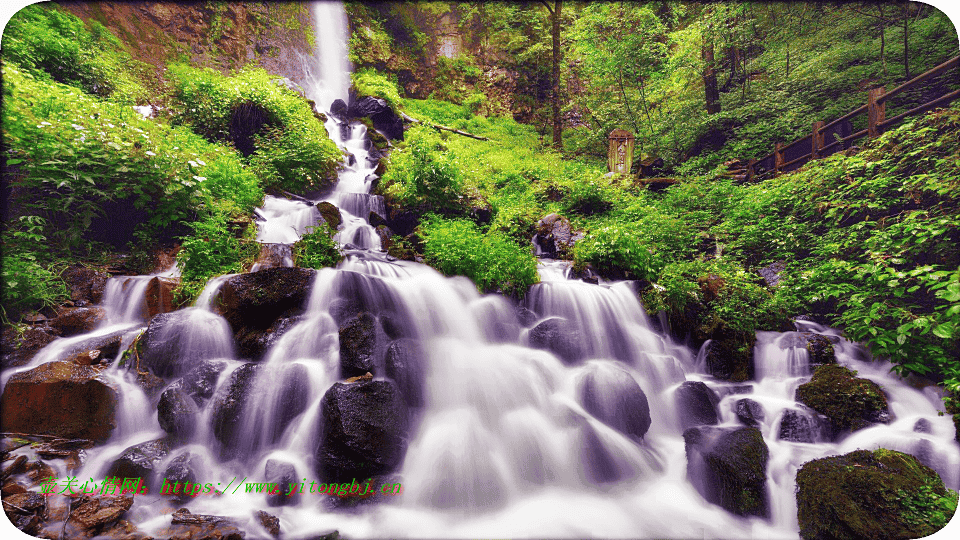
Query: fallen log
(438,127)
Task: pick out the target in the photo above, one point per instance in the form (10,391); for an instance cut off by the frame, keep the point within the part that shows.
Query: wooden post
(751,168)
(816,140)
(777,159)
(876,112)
(620,153)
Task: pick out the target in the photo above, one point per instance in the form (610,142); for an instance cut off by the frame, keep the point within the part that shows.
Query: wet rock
(294,398)
(849,402)
(611,394)
(375,220)
(358,343)
(525,317)
(339,109)
(558,336)
(403,222)
(140,461)
(384,118)
(19,349)
(159,296)
(923,425)
(729,356)
(697,404)
(177,412)
(867,494)
(12,488)
(228,407)
(330,214)
(85,284)
(364,430)
(179,479)
(554,237)
(820,351)
(392,328)
(404,363)
(201,381)
(772,273)
(87,358)
(75,321)
(269,522)
(26,511)
(802,426)
(384,233)
(283,474)
(257,300)
(749,412)
(176,342)
(17,467)
(202,527)
(253,343)
(728,467)
(59,398)
(92,515)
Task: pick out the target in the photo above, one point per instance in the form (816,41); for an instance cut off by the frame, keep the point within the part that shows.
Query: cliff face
(221,35)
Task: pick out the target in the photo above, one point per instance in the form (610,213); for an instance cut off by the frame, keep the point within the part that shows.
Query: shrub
(369,82)
(212,250)
(423,174)
(317,248)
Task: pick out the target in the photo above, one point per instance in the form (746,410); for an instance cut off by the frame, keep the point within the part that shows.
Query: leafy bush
(317,248)
(423,174)
(213,249)
(369,82)
(633,249)
(492,261)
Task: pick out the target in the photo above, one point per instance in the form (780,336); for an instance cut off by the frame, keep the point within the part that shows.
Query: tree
(555,94)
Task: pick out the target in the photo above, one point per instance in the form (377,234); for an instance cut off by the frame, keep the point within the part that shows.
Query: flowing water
(501,443)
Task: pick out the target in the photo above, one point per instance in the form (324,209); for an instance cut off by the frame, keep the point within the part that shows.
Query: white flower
(77,127)
(192,163)
(149,153)
(200,161)
(199,178)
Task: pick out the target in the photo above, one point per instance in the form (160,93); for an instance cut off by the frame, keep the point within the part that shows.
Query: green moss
(851,403)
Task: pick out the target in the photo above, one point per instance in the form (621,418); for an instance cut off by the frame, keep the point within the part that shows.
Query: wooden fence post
(816,140)
(876,112)
(777,159)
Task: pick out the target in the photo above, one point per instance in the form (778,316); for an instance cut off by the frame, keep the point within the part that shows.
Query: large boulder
(294,396)
(558,336)
(201,382)
(258,299)
(405,363)
(378,110)
(803,426)
(176,342)
(140,461)
(181,470)
(554,237)
(228,407)
(364,431)
(729,356)
(86,285)
(330,214)
(728,467)
(177,412)
(97,516)
(612,395)
(877,495)
(159,296)
(696,404)
(283,474)
(75,321)
(358,345)
(253,343)
(849,402)
(749,412)
(18,349)
(64,399)
(820,350)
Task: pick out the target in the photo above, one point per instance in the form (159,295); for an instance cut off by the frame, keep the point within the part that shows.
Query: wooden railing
(786,158)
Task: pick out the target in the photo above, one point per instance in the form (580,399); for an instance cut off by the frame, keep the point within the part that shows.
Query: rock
(364,430)
(405,364)
(269,522)
(294,398)
(558,336)
(75,321)
(202,527)
(339,109)
(330,214)
(176,342)
(177,412)
(283,474)
(18,350)
(200,382)
(771,273)
(384,233)
(253,343)
(375,220)
(696,404)
(729,356)
(159,296)
(749,412)
(26,511)
(258,299)
(91,515)
(358,342)
(228,407)
(378,110)
(728,467)
(525,317)
(923,425)
(554,237)
(849,402)
(86,285)
(867,494)
(402,221)
(802,426)
(88,358)
(59,398)
(820,351)
(140,461)
(611,394)
(182,470)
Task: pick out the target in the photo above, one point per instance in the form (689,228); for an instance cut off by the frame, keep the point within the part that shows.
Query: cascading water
(508,436)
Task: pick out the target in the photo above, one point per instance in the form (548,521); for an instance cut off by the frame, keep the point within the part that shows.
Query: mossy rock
(820,350)
(728,467)
(851,403)
(871,495)
(729,355)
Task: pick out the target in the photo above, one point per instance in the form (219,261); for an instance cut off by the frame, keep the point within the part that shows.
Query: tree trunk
(906,41)
(557,122)
(711,93)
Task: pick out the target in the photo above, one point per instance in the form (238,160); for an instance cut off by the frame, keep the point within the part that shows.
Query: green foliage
(285,144)
(369,82)
(452,77)
(493,262)
(317,248)
(423,174)
(213,249)
(52,44)
(29,277)
(925,506)
(636,249)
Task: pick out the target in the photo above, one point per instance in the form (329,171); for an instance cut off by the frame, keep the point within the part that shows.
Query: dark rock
(201,381)
(384,233)
(403,222)
(330,214)
(140,461)
(728,467)
(177,412)
(820,351)
(364,430)
(729,356)
(802,426)
(269,522)
(923,426)
(358,342)
(749,412)
(554,237)
(391,327)
(384,118)
(611,394)
(183,471)
(849,402)
(294,398)
(558,336)
(405,364)
(202,527)
(228,407)
(26,511)
(696,404)
(59,398)
(771,273)
(376,219)
(256,300)
(86,285)
(75,321)
(176,342)
(253,343)
(867,494)
(339,109)
(283,474)
(18,350)
(525,317)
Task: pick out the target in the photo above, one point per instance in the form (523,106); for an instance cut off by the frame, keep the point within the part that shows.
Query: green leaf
(944,330)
